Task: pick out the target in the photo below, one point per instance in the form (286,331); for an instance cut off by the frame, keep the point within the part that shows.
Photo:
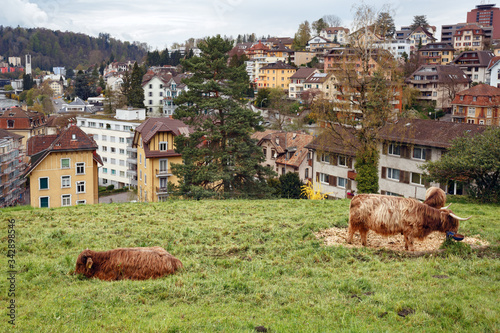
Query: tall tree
(472,160)
(132,86)
(220,158)
(419,21)
(332,20)
(385,25)
(302,36)
(319,25)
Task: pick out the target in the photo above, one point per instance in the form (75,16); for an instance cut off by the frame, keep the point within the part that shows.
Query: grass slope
(247,264)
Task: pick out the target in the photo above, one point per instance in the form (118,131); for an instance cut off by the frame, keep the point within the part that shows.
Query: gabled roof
(485,95)
(334,30)
(473,27)
(478,58)
(8,134)
(438,46)
(423,30)
(303,73)
(493,62)
(150,127)
(285,143)
(324,40)
(163,76)
(429,133)
(70,139)
(445,74)
(278,65)
(318,78)
(17,112)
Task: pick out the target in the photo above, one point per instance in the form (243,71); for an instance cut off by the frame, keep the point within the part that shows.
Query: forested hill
(50,48)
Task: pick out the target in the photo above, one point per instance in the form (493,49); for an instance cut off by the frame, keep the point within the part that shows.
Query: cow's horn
(460,218)
(446,206)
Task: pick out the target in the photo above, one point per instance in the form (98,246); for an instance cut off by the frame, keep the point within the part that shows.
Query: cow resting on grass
(387,215)
(135,263)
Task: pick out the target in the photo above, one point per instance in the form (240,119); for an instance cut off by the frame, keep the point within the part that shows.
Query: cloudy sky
(161,23)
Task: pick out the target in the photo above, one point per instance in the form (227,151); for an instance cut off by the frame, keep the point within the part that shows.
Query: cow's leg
(350,233)
(409,243)
(363,232)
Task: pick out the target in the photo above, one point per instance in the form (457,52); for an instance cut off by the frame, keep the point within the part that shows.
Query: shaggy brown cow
(435,197)
(388,215)
(135,263)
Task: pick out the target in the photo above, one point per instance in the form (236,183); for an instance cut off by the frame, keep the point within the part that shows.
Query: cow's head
(450,221)
(84,263)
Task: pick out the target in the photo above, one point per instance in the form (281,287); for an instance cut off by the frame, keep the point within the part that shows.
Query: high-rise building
(486,15)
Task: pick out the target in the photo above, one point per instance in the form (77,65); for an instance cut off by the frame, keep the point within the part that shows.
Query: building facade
(477,105)
(12,165)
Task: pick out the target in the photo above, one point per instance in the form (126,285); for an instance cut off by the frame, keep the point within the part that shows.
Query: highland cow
(435,197)
(387,215)
(136,263)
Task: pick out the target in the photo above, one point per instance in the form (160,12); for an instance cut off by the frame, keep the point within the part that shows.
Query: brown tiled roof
(439,46)
(150,127)
(9,134)
(278,65)
(485,94)
(334,30)
(493,62)
(37,143)
(428,133)
(318,78)
(303,73)
(163,76)
(17,112)
(285,142)
(478,58)
(445,74)
(259,46)
(470,27)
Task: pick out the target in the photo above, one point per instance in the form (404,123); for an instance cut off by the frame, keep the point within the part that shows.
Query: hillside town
(59,150)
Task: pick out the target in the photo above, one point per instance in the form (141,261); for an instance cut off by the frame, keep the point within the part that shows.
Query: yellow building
(154,140)
(276,75)
(471,37)
(63,169)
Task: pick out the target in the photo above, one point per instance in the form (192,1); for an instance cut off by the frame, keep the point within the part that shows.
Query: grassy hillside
(247,264)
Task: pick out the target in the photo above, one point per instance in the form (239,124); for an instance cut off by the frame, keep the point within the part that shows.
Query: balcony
(131,150)
(351,174)
(161,190)
(162,173)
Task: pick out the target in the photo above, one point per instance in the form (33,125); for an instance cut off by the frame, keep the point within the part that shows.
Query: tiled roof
(286,142)
(493,62)
(445,74)
(150,127)
(484,94)
(17,112)
(163,76)
(318,78)
(478,58)
(8,134)
(278,65)
(470,27)
(441,46)
(334,30)
(430,133)
(303,73)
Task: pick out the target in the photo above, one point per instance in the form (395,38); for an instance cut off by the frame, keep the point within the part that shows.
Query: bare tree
(332,20)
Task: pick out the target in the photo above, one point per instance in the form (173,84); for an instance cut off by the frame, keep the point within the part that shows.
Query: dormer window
(163,146)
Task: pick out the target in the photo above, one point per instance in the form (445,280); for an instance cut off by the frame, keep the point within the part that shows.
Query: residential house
(301,58)
(275,41)
(285,151)
(77,106)
(154,141)
(477,105)
(64,169)
(57,87)
(421,36)
(324,83)
(331,160)
(275,75)
(172,89)
(474,64)
(297,80)
(23,122)
(114,136)
(153,83)
(399,48)
(437,53)
(335,34)
(403,33)
(320,44)
(438,84)
(469,37)
(347,59)
(406,145)
(279,52)
(12,166)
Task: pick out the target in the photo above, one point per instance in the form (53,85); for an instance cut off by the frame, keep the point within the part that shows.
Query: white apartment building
(114,137)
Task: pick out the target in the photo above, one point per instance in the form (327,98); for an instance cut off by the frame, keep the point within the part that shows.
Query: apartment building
(275,75)
(12,166)
(477,105)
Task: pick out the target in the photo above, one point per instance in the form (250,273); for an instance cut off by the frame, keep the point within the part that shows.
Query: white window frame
(342,158)
(40,201)
(81,202)
(422,153)
(163,143)
(341,180)
(322,177)
(394,149)
(161,161)
(421,183)
(80,184)
(79,165)
(67,182)
(325,158)
(66,197)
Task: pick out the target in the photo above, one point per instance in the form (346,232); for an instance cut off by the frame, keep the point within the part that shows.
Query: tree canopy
(419,21)
(302,36)
(220,157)
(472,160)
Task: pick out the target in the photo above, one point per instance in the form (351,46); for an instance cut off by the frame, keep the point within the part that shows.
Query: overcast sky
(161,23)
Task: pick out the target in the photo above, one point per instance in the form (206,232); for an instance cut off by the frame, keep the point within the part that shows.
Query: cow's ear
(89,263)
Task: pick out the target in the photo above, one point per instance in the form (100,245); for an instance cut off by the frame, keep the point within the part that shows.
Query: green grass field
(247,264)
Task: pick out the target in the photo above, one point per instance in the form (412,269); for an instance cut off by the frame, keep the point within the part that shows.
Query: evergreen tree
(302,36)
(419,21)
(27,82)
(385,25)
(220,158)
(290,185)
(132,87)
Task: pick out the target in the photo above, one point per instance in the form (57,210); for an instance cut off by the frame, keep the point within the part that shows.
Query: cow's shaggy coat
(435,197)
(136,263)
(388,215)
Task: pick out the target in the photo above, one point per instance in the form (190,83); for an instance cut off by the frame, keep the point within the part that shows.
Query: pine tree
(132,87)
(220,158)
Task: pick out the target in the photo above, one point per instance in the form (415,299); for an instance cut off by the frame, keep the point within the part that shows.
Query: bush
(110,187)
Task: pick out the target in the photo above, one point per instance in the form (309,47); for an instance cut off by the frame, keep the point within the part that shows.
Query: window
(341,182)
(471,111)
(307,173)
(122,151)
(104,148)
(113,161)
(44,202)
(113,172)
(122,140)
(43,183)
(80,168)
(394,149)
(325,158)
(64,163)
(145,179)
(80,187)
(140,158)
(112,138)
(122,162)
(65,181)
(163,165)
(66,200)
(104,170)
(81,202)
(323,177)
(104,138)
(417,178)
(122,173)
(113,149)
(393,174)
(163,146)
(342,161)
(419,153)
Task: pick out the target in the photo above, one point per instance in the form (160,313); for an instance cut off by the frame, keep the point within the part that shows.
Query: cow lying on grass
(135,263)
(387,215)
